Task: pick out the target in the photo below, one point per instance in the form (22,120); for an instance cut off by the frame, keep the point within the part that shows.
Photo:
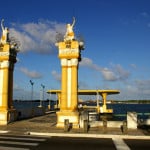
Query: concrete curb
(91,135)
(3,131)
(50,112)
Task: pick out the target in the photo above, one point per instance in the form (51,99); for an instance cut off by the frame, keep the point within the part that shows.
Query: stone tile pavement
(47,124)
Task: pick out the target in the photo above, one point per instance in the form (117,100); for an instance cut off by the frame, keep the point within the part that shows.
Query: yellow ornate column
(8,53)
(104,96)
(69,54)
(63,102)
(104,107)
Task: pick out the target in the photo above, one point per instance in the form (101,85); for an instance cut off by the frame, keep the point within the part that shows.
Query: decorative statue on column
(6,40)
(70,33)
(5,33)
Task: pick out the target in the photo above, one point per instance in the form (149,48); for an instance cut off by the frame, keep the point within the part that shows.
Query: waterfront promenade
(41,133)
(47,124)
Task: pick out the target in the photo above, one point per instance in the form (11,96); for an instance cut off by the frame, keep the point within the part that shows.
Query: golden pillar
(8,53)
(69,54)
(104,107)
(104,97)
(63,102)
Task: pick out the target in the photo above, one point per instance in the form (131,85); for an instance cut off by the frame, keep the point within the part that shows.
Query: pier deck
(47,124)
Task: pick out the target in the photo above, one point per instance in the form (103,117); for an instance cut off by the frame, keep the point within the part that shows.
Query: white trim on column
(69,84)
(1,85)
(74,61)
(5,63)
(64,62)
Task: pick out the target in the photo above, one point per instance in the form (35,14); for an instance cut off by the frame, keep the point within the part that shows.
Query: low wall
(30,112)
(113,124)
(132,120)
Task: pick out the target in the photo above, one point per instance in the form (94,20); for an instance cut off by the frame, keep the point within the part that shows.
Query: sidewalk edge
(91,135)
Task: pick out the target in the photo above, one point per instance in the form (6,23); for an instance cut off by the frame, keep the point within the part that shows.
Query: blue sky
(117,44)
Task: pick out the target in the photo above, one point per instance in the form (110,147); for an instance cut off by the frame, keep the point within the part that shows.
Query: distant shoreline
(94,101)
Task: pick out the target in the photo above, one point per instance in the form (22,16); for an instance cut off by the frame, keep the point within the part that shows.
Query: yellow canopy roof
(88,92)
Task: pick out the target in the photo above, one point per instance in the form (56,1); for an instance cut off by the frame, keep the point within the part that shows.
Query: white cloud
(142,84)
(109,74)
(135,89)
(121,73)
(87,62)
(39,37)
(31,74)
(56,75)
(133,66)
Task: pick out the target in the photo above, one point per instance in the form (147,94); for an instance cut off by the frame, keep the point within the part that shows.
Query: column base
(73,118)
(7,116)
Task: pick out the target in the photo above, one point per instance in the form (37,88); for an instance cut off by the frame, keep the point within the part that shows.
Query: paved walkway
(47,124)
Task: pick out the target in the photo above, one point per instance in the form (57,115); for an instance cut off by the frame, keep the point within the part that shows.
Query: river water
(119,110)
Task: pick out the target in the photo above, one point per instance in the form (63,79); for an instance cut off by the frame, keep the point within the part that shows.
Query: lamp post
(32,83)
(49,104)
(41,99)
